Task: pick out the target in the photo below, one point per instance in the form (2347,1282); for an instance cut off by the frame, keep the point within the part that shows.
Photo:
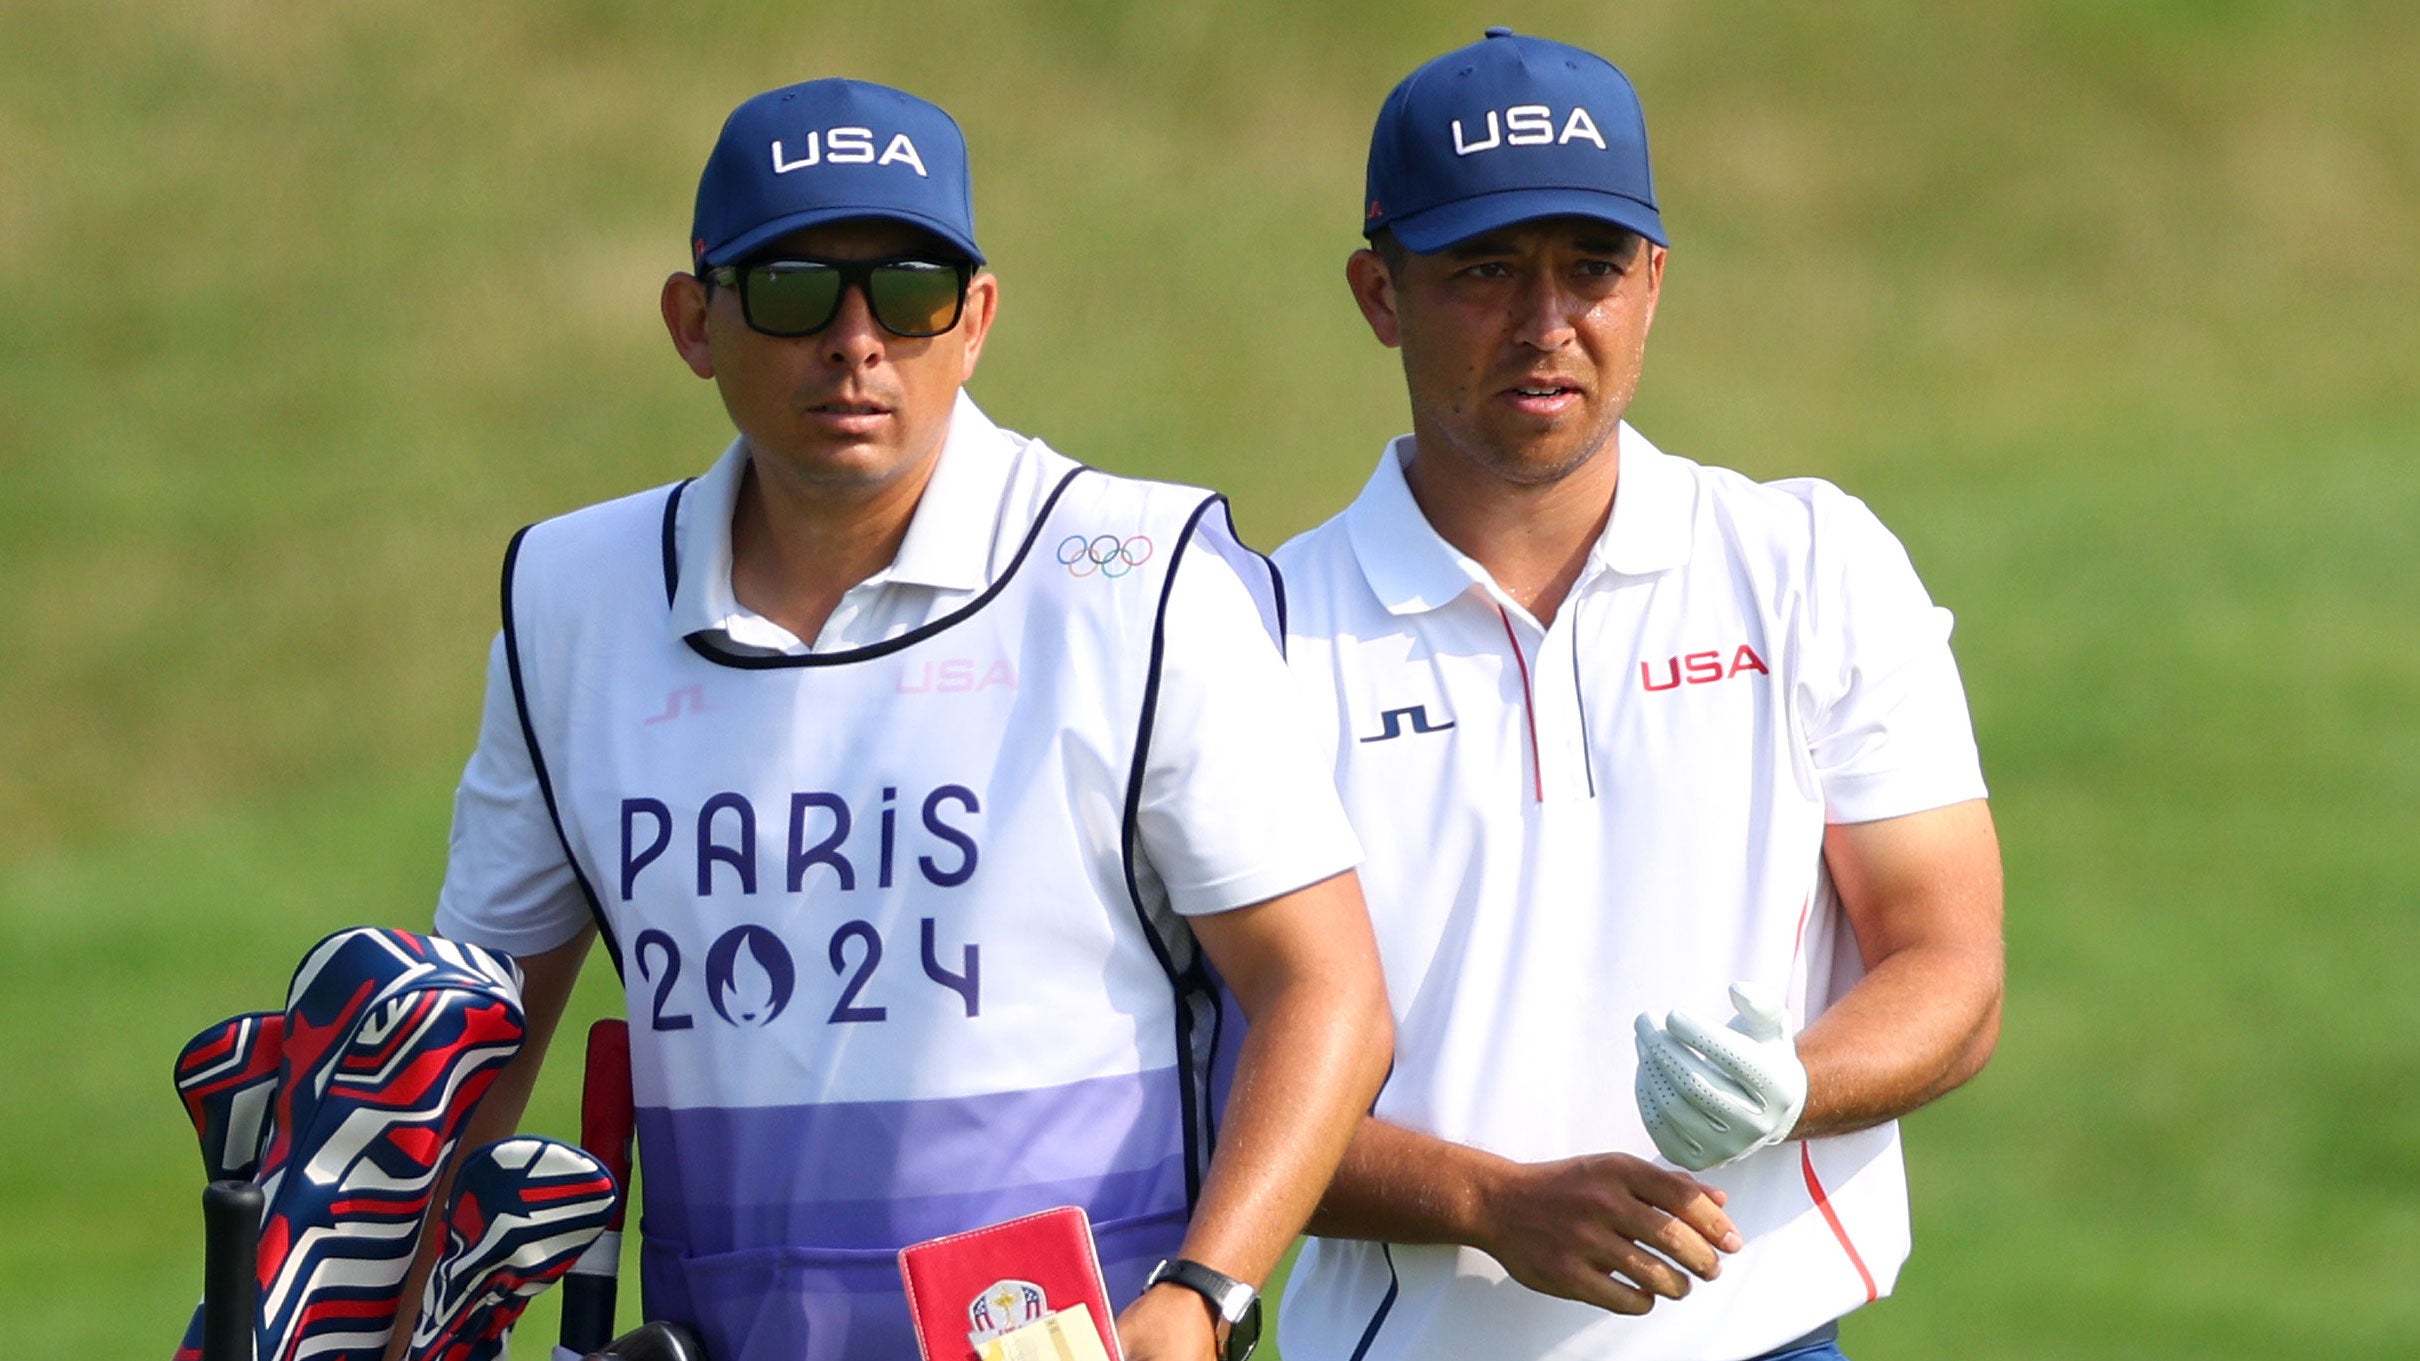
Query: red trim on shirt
(1529,706)
(1806,1155)
(1823,1202)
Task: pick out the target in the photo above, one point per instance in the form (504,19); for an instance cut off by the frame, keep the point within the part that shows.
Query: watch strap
(1231,1301)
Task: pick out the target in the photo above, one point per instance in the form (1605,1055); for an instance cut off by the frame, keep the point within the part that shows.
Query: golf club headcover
(337,987)
(227,1076)
(391,1039)
(523,1210)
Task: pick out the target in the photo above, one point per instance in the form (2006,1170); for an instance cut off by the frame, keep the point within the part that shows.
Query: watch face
(1244,1335)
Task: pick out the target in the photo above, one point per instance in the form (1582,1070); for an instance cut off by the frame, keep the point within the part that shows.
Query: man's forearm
(1923,897)
(1606,1229)
(1401,1186)
(1913,1030)
(1310,1067)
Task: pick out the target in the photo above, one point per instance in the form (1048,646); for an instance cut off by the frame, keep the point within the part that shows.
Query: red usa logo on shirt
(1701,668)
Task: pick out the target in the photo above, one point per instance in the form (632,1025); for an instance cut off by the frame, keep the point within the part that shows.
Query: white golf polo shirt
(898,914)
(1620,812)
(1234,808)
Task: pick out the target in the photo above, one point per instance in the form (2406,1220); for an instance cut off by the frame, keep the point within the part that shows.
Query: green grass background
(2111,308)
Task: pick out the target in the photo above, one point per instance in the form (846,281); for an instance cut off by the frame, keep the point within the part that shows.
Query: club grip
(606,1118)
(231,1212)
(606,1130)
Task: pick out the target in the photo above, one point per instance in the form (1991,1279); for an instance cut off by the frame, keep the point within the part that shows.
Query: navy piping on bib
(1191,980)
(1277,581)
(672,547)
(537,759)
(1209,1082)
(1218,1010)
(772,662)
(1195,990)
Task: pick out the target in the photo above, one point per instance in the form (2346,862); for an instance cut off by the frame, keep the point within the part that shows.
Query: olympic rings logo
(1106,554)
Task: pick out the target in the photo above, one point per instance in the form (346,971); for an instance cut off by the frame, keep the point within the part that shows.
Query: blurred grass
(2108,308)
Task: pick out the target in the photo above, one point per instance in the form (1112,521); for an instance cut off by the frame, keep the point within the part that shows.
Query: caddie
(1674,827)
(924,787)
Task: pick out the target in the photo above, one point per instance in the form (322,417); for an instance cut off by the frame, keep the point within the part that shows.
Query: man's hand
(1578,1227)
(1169,1323)
(1713,1094)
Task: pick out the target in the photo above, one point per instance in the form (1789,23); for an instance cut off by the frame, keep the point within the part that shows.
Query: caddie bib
(895,967)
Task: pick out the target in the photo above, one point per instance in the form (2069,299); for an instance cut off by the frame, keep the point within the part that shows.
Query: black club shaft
(231,1213)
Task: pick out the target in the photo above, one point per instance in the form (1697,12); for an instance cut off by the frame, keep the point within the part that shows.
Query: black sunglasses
(912,298)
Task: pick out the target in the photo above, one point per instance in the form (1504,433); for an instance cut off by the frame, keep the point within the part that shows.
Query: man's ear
(982,304)
(1373,286)
(684,303)
(1655,278)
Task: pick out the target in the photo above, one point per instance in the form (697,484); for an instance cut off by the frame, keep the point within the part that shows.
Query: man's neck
(1533,538)
(798,546)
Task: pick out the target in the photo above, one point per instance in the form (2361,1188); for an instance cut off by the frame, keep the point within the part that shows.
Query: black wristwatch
(1231,1301)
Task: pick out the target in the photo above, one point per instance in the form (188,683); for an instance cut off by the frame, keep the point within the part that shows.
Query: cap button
(1499,31)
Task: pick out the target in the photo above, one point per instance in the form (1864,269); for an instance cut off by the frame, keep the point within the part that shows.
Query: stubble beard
(1521,464)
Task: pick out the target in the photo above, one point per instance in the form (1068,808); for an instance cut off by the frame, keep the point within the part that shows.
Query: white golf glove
(1713,1094)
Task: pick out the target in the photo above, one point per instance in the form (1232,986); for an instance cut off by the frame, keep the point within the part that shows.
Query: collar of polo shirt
(1413,569)
(947,546)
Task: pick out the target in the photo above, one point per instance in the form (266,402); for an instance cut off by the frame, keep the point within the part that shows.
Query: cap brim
(1434,229)
(749,242)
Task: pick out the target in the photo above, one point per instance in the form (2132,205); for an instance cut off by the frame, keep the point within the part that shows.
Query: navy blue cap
(1507,130)
(825,151)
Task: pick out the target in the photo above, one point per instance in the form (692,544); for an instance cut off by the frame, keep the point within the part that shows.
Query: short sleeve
(1238,805)
(508,885)
(1888,727)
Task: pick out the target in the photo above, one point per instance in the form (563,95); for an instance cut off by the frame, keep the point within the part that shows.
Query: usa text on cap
(1506,130)
(825,151)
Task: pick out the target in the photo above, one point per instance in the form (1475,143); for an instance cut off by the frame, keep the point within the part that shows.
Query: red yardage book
(973,1286)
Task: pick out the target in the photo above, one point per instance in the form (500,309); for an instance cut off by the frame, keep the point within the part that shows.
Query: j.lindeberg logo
(848,146)
(1106,554)
(1392,723)
(1530,125)
(688,699)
